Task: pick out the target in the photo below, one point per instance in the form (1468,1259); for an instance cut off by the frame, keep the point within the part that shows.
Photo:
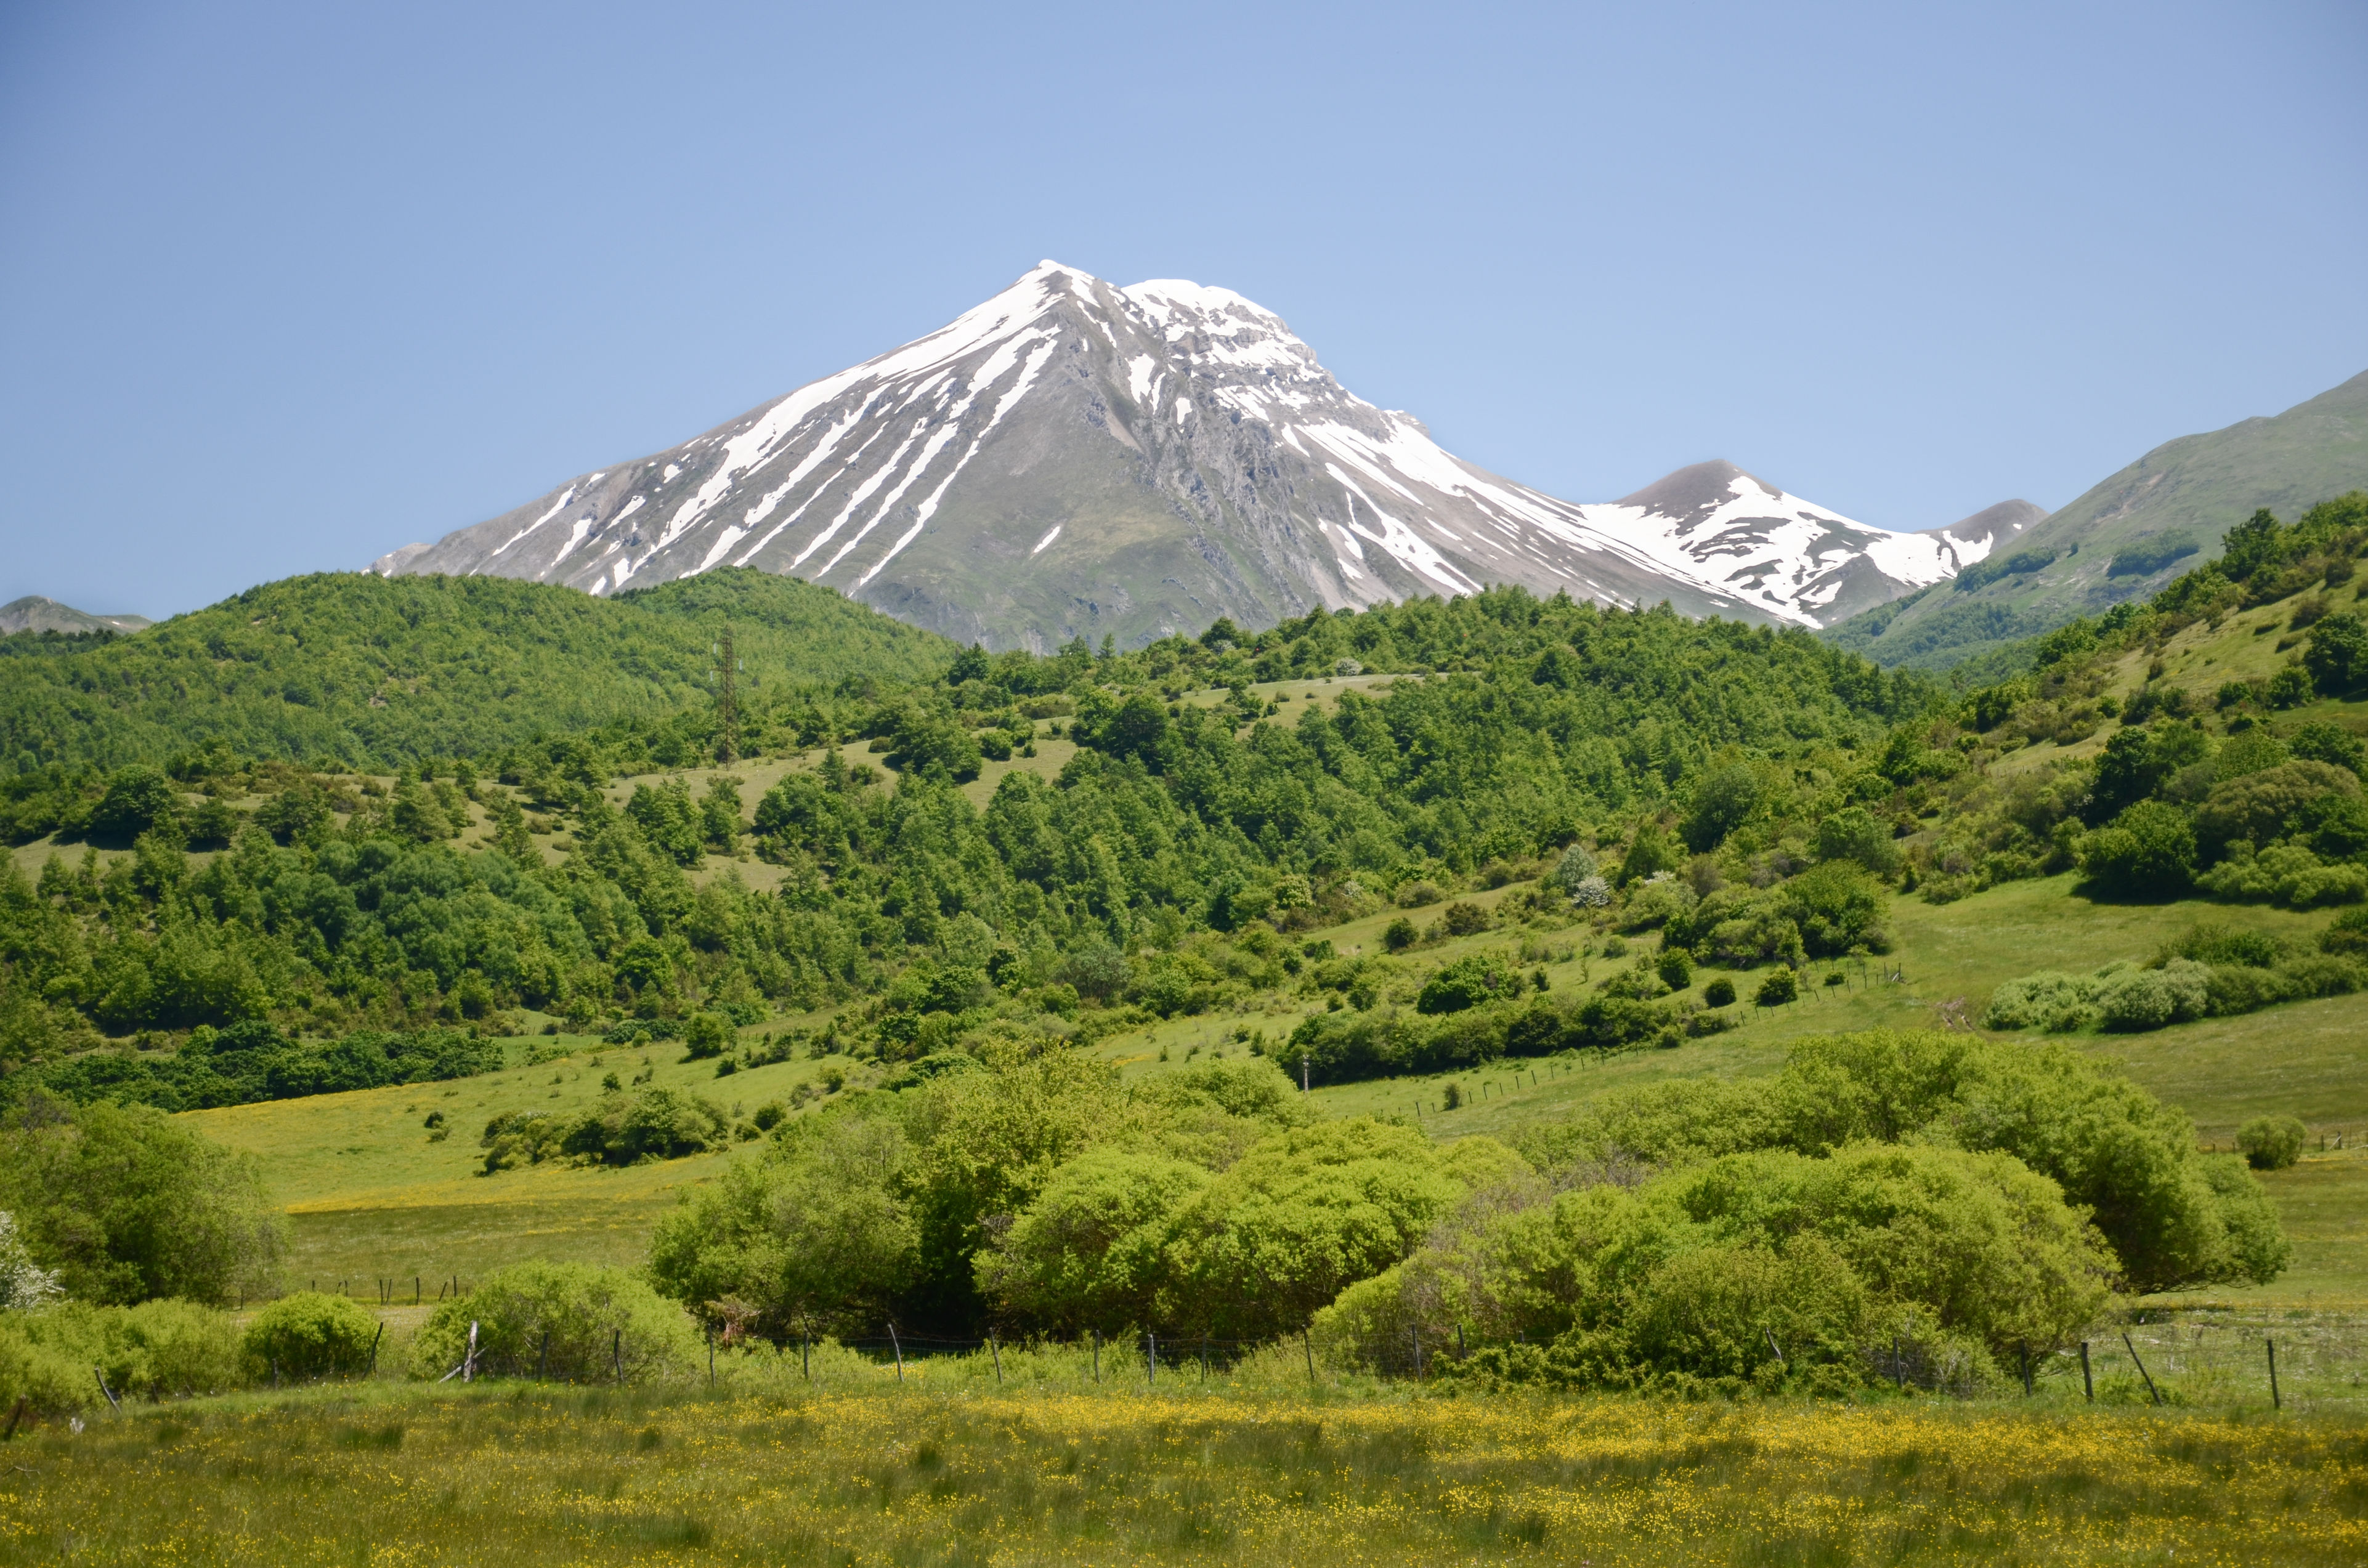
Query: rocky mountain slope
(34,613)
(2128,535)
(1074,459)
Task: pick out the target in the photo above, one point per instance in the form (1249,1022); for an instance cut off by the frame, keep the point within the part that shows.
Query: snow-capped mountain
(1074,458)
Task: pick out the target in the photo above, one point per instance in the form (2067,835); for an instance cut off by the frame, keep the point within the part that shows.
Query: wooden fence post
(899,1345)
(2275,1402)
(374,1339)
(1150,1359)
(1308,1344)
(2087,1383)
(996,1350)
(2132,1349)
(617,1354)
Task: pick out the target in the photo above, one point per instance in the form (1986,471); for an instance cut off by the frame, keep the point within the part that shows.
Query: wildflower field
(938,1469)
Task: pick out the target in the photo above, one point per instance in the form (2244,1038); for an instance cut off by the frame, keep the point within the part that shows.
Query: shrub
(653,1124)
(1301,1217)
(2291,687)
(1675,969)
(2267,802)
(2171,1216)
(2321,741)
(1779,987)
(2149,851)
(128,1205)
(1464,920)
(2337,655)
(2348,934)
(2054,1001)
(1576,865)
(1719,993)
(1467,983)
(1656,900)
(2271,1143)
(152,1350)
(24,1285)
(2147,556)
(1088,1252)
(1835,906)
(1858,834)
(706,1035)
(559,1320)
(137,799)
(2134,999)
(1400,934)
(311,1335)
(2283,873)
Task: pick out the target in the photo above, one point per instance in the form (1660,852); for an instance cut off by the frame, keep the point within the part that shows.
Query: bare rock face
(1074,459)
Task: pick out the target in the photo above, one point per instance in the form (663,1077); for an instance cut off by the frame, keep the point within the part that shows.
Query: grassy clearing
(923,1474)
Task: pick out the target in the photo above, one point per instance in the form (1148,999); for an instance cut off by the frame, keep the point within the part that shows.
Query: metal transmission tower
(728,670)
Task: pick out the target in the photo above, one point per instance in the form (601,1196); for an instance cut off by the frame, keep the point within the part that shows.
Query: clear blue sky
(282,287)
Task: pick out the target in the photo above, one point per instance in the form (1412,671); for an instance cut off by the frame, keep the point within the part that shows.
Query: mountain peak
(36,613)
(1073,458)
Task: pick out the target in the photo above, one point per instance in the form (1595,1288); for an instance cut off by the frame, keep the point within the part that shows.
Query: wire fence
(2211,1355)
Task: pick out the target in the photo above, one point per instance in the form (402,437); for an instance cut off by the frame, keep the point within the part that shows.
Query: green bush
(1468,981)
(2348,934)
(312,1334)
(156,1350)
(2054,1001)
(1400,934)
(1089,1252)
(2149,851)
(2283,873)
(621,1128)
(2172,1217)
(568,1320)
(1299,1218)
(1780,986)
(707,1035)
(1762,1270)
(819,1234)
(1857,834)
(2135,998)
(1719,993)
(2271,1143)
(1676,968)
(128,1205)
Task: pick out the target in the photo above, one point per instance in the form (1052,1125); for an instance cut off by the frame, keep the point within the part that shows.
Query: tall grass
(945,1469)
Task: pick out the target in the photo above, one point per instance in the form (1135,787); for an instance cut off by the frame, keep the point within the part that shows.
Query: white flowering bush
(23,1286)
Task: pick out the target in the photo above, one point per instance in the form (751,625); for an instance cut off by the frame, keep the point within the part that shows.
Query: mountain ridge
(1074,459)
(35,612)
(2129,534)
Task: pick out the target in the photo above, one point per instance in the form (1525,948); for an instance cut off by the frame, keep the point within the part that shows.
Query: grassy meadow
(946,1469)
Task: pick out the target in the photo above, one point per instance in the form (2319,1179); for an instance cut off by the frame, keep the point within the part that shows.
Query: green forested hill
(371,671)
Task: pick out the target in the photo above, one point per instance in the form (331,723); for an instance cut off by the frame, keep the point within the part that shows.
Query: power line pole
(727,706)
